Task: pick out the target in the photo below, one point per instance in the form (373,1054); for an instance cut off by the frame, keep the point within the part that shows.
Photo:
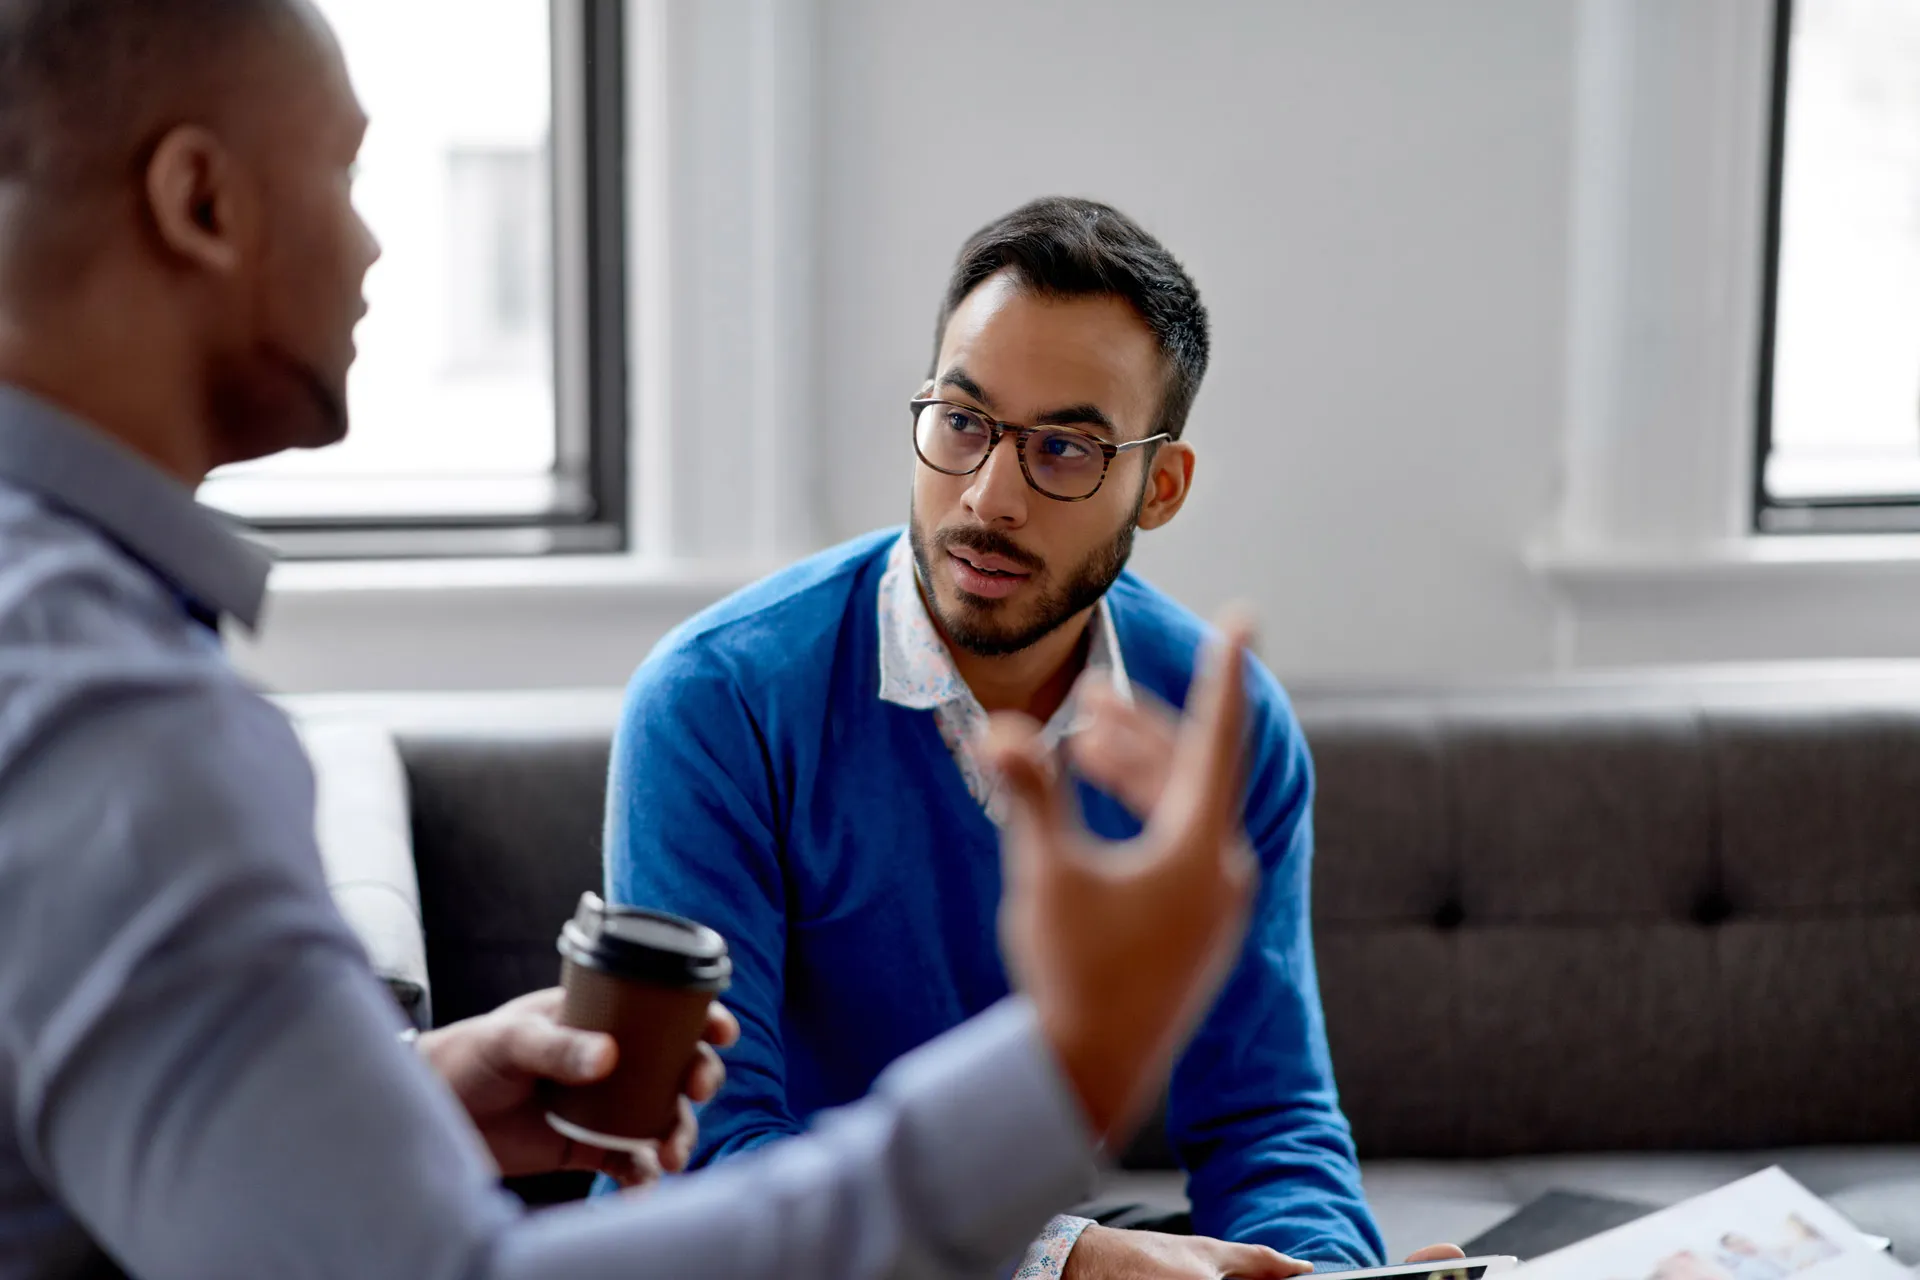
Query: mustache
(989,543)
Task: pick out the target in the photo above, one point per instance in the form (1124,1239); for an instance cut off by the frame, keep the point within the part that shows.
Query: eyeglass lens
(1062,463)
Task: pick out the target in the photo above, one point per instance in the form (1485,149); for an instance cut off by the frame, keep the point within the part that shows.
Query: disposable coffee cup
(646,979)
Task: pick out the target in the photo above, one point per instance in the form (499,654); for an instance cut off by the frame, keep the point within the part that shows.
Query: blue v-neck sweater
(761,785)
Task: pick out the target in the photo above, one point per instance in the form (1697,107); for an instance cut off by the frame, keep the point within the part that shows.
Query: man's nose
(371,250)
(999,490)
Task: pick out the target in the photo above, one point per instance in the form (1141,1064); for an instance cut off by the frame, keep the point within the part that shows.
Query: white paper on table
(1767,1227)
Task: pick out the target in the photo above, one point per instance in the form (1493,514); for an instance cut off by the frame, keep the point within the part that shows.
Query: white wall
(1485,284)
(1373,198)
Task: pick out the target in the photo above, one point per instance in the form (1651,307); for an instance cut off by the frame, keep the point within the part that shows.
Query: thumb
(1437,1253)
(1257,1262)
(547,1050)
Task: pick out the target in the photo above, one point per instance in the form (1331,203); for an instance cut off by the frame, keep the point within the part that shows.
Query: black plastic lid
(645,946)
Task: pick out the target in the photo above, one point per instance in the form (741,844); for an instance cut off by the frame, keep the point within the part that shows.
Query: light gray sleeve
(205,1071)
(948,1168)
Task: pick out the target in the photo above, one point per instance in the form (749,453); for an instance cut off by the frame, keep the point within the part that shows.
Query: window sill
(667,579)
(1760,558)
(1753,599)
(557,622)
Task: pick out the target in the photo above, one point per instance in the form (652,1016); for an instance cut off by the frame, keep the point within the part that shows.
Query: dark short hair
(1065,247)
(80,78)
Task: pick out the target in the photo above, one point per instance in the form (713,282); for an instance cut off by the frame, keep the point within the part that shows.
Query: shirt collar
(917,671)
(199,555)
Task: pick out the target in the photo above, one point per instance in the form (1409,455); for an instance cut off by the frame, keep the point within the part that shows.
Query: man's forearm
(303,1138)
(946,1170)
(1295,1187)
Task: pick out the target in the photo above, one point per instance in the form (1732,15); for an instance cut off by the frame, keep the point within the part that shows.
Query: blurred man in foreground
(199,1076)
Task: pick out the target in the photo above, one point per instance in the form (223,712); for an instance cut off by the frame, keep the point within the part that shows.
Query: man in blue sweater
(798,767)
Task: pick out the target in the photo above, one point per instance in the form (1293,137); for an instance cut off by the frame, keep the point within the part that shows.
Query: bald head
(175,181)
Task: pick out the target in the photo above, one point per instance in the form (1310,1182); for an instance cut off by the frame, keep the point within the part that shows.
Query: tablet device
(1456,1269)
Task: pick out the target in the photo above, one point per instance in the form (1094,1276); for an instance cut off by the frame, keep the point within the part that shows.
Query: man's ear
(196,199)
(1169,481)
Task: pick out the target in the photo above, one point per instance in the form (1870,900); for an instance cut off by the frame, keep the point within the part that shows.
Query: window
(1840,369)
(488,404)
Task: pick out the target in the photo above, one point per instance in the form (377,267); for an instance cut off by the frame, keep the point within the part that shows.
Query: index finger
(1257,1262)
(543,1049)
(546,1002)
(1437,1253)
(1040,825)
(1206,783)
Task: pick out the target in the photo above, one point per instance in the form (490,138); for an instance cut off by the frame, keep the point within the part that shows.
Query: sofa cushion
(362,824)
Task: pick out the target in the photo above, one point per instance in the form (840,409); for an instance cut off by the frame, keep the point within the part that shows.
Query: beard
(981,626)
(270,401)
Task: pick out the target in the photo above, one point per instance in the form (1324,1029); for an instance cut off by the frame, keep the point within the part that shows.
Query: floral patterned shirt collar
(915,668)
(917,671)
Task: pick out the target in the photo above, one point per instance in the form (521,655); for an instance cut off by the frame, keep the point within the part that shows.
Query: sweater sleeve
(691,829)
(1253,1111)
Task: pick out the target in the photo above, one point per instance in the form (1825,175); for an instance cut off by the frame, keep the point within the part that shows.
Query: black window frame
(590,350)
(1864,513)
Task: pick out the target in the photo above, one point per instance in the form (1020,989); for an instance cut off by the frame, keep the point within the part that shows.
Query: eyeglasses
(1058,462)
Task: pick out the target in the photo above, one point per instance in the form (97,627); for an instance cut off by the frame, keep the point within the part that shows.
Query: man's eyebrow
(957,378)
(1077,415)
(1074,415)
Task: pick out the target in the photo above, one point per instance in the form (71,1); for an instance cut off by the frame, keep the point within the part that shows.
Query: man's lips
(972,576)
(985,563)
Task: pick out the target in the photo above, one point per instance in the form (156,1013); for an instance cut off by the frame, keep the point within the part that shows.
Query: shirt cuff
(1047,1257)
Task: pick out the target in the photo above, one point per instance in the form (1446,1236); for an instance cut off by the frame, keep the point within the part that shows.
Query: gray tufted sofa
(1635,935)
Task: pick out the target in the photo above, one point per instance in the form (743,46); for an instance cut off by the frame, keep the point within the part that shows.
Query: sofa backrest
(506,836)
(1548,919)
(1561,926)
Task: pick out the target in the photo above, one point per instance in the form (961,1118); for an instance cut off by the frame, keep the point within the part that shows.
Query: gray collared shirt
(199,1076)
